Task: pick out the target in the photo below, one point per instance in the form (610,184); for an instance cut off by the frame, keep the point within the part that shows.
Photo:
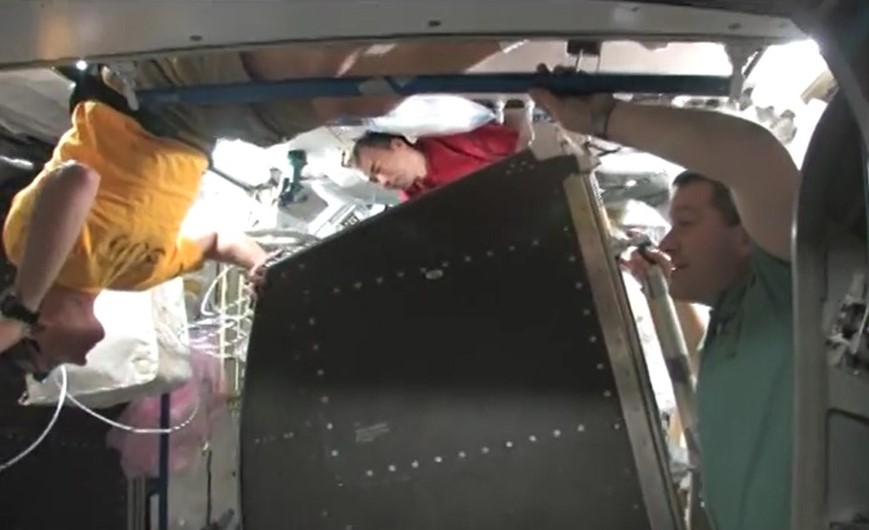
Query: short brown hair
(722,200)
(377,140)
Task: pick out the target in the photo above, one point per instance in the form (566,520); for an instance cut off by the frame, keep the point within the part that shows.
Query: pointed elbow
(77,179)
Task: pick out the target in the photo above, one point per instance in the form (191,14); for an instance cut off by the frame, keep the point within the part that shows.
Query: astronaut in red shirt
(431,162)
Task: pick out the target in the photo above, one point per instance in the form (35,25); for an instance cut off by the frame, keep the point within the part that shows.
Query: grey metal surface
(34,104)
(623,347)
(449,366)
(67,31)
(828,457)
(676,356)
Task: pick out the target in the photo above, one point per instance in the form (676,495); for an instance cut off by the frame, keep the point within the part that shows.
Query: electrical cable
(206,298)
(64,382)
(65,396)
(136,430)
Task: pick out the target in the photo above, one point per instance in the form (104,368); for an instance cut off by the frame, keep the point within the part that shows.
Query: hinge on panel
(848,340)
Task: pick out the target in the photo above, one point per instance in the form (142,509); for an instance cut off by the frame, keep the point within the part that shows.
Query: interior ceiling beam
(579,83)
(56,32)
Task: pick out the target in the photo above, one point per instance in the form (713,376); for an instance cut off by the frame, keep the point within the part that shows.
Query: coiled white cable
(137,430)
(66,396)
(51,423)
(204,308)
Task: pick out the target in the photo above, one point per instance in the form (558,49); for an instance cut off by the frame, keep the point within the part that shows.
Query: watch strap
(12,308)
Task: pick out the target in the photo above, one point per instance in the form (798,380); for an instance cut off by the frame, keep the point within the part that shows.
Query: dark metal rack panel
(444,365)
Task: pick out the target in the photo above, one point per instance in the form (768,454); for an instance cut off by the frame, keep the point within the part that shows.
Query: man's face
(708,255)
(68,330)
(396,167)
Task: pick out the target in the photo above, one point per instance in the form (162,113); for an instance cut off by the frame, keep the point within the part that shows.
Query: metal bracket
(551,140)
(579,49)
(126,74)
(740,55)
(848,340)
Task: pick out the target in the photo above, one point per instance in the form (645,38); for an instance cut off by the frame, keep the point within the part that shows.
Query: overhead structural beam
(515,83)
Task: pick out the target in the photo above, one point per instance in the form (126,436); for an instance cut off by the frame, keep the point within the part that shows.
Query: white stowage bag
(145,350)
(433,115)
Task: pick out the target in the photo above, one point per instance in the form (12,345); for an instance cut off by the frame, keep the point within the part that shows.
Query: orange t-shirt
(131,239)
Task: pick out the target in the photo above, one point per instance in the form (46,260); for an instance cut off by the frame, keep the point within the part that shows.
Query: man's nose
(385,181)
(668,243)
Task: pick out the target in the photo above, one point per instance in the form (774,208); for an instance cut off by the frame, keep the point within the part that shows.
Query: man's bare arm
(406,58)
(348,59)
(424,57)
(234,249)
(60,209)
(521,121)
(302,60)
(740,154)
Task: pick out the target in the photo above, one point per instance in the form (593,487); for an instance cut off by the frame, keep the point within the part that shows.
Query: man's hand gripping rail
(670,336)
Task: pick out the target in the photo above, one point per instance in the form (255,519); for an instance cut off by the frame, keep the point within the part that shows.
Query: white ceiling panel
(67,30)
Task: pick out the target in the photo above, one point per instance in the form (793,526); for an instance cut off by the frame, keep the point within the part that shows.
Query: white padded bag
(145,350)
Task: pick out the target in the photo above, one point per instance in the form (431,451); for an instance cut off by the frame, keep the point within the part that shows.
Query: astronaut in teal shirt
(745,384)
(728,249)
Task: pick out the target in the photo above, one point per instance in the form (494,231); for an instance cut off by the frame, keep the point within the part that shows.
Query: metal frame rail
(574,83)
(831,416)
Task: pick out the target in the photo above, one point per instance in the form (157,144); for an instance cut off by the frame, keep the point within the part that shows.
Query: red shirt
(456,156)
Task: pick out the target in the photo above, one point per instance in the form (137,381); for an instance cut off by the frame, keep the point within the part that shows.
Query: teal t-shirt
(745,399)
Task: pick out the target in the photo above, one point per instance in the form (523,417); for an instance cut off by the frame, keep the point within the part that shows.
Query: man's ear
(397,143)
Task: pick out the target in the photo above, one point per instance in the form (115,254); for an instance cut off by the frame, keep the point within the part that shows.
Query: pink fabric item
(140,454)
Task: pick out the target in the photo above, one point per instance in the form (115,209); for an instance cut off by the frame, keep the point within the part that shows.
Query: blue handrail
(505,83)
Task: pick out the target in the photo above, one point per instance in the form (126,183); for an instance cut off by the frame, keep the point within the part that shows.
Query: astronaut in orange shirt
(106,211)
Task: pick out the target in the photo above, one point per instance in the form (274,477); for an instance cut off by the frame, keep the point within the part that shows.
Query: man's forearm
(721,147)
(742,155)
(405,58)
(425,58)
(235,249)
(60,210)
(520,120)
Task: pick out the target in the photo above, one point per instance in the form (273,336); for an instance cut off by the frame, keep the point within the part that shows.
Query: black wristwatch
(12,308)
